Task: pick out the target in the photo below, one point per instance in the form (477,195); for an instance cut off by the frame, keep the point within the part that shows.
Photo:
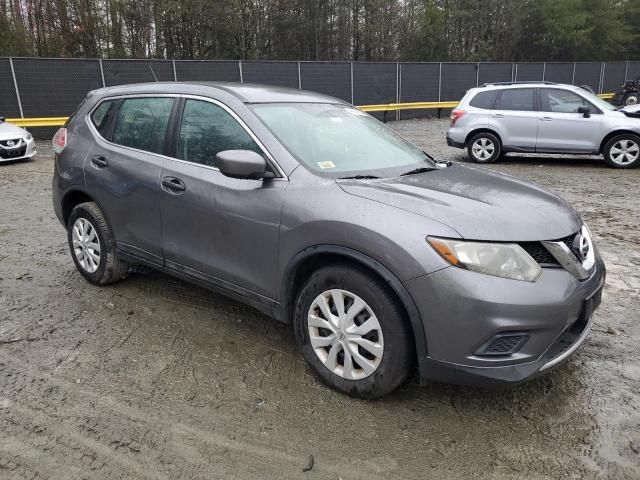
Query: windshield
(340,141)
(597,101)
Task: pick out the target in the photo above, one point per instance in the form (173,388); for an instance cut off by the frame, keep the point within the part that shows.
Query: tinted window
(101,115)
(561,101)
(484,99)
(142,122)
(207,129)
(516,99)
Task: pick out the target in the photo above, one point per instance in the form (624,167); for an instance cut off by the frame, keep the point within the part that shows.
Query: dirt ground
(155,378)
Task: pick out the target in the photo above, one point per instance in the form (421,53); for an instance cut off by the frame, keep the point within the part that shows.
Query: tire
(87,224)
(631,99)
(484,147)
(391,336)
(623,151)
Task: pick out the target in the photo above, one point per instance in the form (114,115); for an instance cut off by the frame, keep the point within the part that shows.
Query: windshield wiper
(359,177)
(419,170)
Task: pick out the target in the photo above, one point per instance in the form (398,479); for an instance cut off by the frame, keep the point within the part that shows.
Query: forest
(379,30)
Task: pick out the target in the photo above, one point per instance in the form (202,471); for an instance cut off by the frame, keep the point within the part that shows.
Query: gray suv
(543,117)
(382,259)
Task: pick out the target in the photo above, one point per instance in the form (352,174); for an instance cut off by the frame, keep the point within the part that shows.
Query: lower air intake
(503,344)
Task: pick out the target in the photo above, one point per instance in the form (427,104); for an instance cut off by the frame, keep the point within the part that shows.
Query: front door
(220,229)
(515,118)
(123,170)
(561,128)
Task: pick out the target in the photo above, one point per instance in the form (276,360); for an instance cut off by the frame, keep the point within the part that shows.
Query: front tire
(484,147)
(92,245)
(623,151)
(631,99)
(352,332)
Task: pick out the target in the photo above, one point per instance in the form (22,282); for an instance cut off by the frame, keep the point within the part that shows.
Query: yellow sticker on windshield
(326,165)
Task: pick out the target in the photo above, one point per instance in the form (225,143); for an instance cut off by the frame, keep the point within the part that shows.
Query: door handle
(546,119)
(497,115)
(173,185)
(99,161)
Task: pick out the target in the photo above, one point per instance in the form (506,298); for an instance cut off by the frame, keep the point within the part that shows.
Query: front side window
(208,129)
(561,101)
(101,116)
(339,140)
(141,123)
(516,99)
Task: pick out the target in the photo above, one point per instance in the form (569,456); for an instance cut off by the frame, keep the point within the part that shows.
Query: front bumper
(20,152)
(461,311)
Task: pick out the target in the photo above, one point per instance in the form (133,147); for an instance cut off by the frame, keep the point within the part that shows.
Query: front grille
(5,143)
(503,344)
(539,253)
(15,153)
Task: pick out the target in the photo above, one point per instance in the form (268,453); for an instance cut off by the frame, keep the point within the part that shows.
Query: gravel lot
(155,378)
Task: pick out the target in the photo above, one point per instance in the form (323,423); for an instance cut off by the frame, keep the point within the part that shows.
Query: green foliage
(408,30)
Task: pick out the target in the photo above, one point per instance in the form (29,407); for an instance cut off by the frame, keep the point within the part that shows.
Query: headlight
(507,260)
(28,137)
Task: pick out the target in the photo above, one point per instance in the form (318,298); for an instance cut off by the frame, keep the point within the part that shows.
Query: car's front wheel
(623,151)
(352,331)
(484,148)
(631,98)
(92,245)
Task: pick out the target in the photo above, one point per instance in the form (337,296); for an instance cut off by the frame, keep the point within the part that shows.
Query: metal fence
(51,87)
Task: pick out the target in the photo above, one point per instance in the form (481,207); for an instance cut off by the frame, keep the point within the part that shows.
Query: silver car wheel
(483,148)
(631,100)
(345,334)
(624,152)
(86,245)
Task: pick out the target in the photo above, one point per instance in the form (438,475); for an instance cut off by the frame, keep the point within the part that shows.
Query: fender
(286,306)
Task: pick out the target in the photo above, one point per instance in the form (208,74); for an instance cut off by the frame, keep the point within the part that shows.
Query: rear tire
(484,147)
(623,151)
(92,245)
(366,362)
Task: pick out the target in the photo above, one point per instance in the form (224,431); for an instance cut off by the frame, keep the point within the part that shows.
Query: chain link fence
(49,87)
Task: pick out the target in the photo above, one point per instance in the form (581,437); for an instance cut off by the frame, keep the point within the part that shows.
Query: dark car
(315,213)
(629,95)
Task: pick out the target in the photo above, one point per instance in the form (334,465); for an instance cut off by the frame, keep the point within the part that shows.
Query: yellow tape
(384,107)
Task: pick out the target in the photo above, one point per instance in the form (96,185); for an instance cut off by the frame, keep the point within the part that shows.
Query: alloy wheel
(86,245)
(483,149)
(624,152)
(631,100)
(345,334)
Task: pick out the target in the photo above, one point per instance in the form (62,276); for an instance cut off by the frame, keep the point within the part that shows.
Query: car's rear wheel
(623,151)
(484,148)
(631,98)
(352,332)
(92,245)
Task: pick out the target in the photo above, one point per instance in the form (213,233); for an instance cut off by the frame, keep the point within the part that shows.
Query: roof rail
(491,84)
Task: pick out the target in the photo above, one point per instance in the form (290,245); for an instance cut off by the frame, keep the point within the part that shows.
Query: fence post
(478,74)
(573,75)
(601,84)
(15,85)
(175,76)
(626,70)
(397,88)
(440,83)
(515,76)
(544,70)
(102,74)
(299,78)
(351,83)
(240,70)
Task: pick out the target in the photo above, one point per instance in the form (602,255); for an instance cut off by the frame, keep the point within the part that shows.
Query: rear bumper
(462,311)
(453,143)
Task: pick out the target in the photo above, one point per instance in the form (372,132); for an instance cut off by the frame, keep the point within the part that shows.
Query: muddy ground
(155,378)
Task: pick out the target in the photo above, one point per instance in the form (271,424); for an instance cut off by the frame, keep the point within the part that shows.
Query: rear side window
(101,116)
(484,100)
(142,123)
(208,129)
(516,99)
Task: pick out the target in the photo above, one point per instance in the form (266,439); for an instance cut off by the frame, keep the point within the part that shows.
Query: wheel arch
(74,196)
(471,134)
(312,258)
(615,133)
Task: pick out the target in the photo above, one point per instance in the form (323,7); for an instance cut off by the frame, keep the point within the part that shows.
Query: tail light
(59,140)
(455,116)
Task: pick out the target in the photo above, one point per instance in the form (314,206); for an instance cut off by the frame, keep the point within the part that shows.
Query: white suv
(543,117)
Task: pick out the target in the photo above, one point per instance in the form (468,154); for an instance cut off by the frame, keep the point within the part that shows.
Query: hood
(9,131)
(631,110)
(478,204)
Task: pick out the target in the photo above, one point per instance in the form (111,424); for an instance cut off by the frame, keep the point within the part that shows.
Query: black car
(630,93)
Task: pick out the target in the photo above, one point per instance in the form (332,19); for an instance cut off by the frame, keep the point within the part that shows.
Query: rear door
(219,229)
(515,118)
(122,171)
(561,128)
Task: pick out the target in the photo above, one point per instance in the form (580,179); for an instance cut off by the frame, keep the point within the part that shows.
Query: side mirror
(2,119)
(585,111)
(244,164)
